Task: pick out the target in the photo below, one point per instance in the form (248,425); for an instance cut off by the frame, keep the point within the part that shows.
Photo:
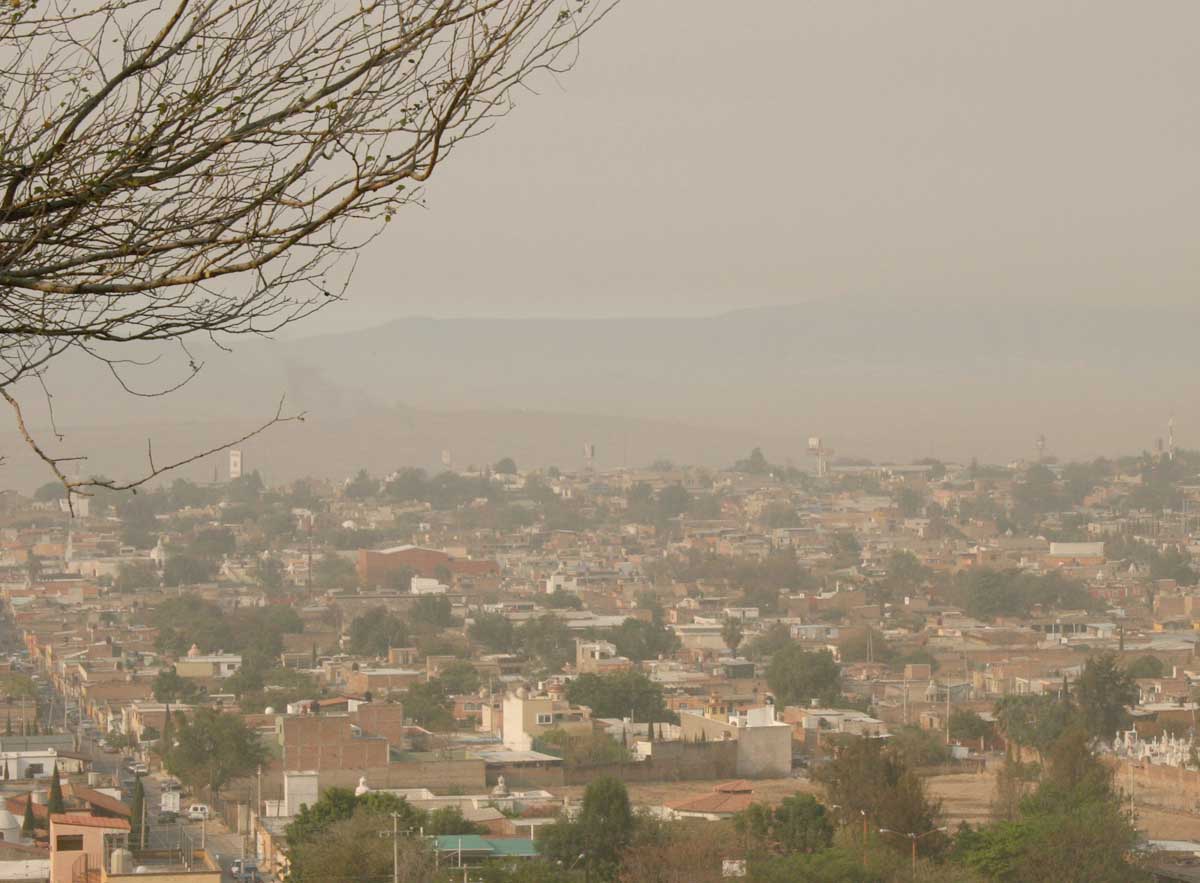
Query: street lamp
(863,813)
(914,838)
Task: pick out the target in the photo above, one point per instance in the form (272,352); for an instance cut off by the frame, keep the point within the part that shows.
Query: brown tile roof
(86,821)
(16,806)
(717,803)
(98,799)
(726,799)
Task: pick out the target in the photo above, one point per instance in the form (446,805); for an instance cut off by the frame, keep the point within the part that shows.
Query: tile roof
(86,821)
(725,799)
(98,799)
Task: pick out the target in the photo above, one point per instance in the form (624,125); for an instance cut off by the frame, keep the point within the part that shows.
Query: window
(34,769)
(69,843)
(545,719)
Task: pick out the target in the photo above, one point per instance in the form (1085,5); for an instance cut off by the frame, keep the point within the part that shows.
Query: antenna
(1171,438)
(1040,444)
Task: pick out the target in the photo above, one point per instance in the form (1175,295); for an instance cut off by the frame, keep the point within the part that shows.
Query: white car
(198,812)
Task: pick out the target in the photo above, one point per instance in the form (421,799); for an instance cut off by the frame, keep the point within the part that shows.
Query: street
(223,844)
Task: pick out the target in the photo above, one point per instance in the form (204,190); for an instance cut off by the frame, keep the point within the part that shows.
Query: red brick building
(375,566)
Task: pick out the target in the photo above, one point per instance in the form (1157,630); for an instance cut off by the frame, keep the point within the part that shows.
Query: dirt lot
(965,797)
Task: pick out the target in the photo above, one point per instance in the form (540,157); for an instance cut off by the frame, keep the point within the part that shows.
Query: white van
(198,812)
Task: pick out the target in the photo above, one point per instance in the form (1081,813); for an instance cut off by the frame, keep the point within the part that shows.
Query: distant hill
(879,377)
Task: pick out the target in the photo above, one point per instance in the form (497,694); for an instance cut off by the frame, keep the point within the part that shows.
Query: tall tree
(28,823)
(1103,690)
(600,833)
(231,147)
(731,634)
(55,804)
(867,777)
(137,809)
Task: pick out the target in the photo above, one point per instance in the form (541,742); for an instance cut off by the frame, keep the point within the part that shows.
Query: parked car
(198,812)
(139,769)
(245,870)
(167,817)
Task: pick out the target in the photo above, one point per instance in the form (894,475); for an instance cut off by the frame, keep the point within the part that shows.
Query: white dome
(8,822)
(269,710)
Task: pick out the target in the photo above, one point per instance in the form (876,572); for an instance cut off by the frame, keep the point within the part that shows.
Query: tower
(235,465)
(1171,438)
(816,448)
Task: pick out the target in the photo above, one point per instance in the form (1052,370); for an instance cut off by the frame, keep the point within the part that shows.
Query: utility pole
(395,835)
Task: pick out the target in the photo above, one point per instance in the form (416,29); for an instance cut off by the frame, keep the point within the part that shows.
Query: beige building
(96,850)
(526,717)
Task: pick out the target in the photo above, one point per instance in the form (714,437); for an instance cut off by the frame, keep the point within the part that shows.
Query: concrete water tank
(10,827)
(121,861)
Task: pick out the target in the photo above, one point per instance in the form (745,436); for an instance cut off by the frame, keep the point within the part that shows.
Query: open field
(965,797)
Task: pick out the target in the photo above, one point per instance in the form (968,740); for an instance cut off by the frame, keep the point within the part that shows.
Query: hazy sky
(707,155)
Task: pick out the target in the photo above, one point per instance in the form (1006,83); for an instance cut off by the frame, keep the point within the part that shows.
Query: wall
(468,776)
(671,762)
(764,752)
(1172,788)
(320,743)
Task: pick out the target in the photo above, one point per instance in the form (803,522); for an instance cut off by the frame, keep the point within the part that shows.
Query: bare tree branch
(180,167)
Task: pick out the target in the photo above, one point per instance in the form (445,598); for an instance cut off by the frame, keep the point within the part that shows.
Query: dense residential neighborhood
(208,678)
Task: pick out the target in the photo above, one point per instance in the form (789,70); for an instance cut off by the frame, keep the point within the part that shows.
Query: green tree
(137,807)
(505,466)
(547,640)
(775,639)
(866,776)
(29,822)
(450,820)
(796,675)
(459,677)
(845,548)
(1103,691)
(55,804)
(428,706)
(187,570)
(731,634)
(269,572)
(50,492)
(968,726)
(1072,828)
(909,502)
(603,829)
(212,748)
(755,464)
(561,599)
(362,486)
(640,640)
(1146,667)
(1035,721)
(213,544)
(134,575)
(494,631)
(432,610)
(918,747)
(799,823)
(334,572)
(170,687)
(375,630)
(620,694)
(351,848)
